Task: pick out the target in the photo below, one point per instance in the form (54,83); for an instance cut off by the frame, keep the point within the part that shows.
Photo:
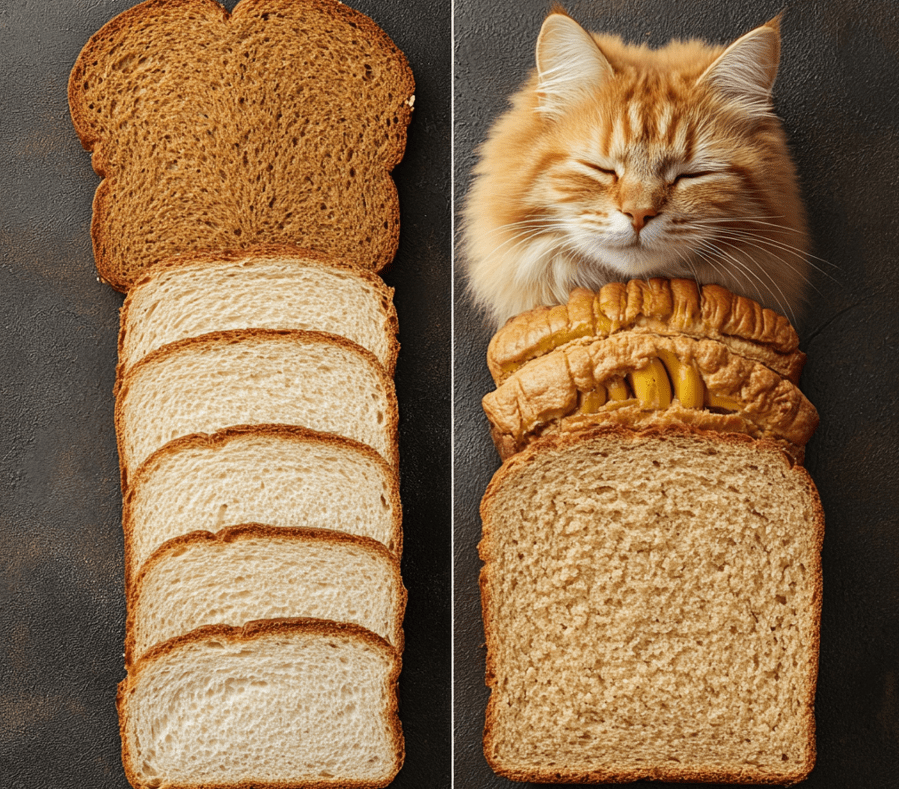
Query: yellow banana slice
(590,402)
(713,400)
(651,385)
(618,390)
(688,385)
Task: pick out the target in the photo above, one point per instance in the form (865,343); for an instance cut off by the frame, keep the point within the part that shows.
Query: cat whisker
(743,266)
(755,240)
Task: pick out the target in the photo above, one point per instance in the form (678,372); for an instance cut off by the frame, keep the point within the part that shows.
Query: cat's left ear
(746,70)
(570,65)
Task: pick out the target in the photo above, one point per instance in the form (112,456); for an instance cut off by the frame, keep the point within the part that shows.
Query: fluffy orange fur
(618,162)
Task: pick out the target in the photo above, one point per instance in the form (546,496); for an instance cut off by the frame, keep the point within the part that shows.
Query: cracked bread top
(658,306)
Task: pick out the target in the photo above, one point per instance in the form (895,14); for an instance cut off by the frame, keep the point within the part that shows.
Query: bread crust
(236,433)
(248,531)
(249,632)
(288,253)
(123,379)
(94,60)
(658,306)
(545,391)
(557,443)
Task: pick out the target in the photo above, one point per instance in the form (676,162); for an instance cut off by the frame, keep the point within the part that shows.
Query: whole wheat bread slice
(275,474)
(277,123)
(263,287)
(277,704)
(254,571)
(651,605)
(254,376)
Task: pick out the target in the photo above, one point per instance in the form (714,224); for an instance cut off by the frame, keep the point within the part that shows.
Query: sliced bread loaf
(254,571)
(277,703)
(278,123)
(254,376)
(651,605)
(264,287)
(274,474)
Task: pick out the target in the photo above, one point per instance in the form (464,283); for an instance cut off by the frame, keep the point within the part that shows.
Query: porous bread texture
(659,306)
(544,391)
(254,376)
(275,474)
(254,571)
(277,703)
(277,123)
(651,605)
(263,287)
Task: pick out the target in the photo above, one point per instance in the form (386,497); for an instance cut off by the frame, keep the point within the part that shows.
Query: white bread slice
(651,607)
(275,474)
(277,703)
(263,287)
(254,376)
(253,571)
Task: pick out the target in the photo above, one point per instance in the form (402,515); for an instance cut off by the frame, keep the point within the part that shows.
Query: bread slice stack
(246,206)
(651,586)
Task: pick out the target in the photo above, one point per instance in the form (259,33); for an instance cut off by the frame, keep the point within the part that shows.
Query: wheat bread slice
(651,607)
(277,123)
(263,287)
(276,704)
(274,474)
(253,571)
(254,376)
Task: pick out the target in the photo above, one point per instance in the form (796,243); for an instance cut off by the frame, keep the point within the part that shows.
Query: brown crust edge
(207,258)
(120,390)
(560,442)
(92,142)
(236,433)
(249,632)
(246,531)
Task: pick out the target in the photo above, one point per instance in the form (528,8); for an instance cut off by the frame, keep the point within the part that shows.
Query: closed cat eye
(683,176)
(603,170)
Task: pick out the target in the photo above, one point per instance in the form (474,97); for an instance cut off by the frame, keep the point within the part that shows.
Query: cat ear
(746,70)
(570,65)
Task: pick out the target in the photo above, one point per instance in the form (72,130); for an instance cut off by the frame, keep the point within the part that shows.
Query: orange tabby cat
(619,162)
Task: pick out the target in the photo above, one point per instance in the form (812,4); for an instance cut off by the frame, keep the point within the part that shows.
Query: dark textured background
(838,93)
(62,607)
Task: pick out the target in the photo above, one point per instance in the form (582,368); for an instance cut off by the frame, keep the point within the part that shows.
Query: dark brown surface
(838,93)
(62,603)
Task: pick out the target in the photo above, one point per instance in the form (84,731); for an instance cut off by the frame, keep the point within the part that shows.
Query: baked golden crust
(657,306)
(545,446)
(547,390)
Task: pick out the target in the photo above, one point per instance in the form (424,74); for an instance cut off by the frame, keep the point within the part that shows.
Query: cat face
(618,162)
(648,174)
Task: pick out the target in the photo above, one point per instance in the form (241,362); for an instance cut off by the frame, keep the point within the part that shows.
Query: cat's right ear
(570,65)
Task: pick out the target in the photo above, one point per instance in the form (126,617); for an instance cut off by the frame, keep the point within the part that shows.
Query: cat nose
(638,216)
